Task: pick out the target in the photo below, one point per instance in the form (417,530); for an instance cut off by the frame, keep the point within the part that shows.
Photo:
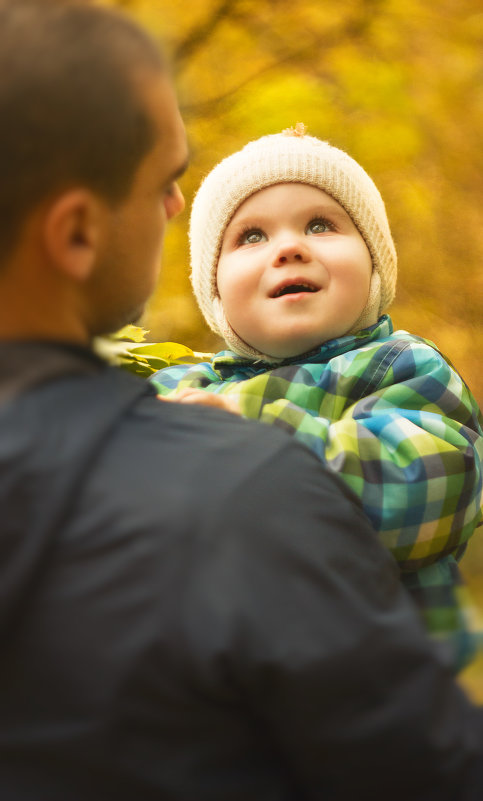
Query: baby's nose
(291,251)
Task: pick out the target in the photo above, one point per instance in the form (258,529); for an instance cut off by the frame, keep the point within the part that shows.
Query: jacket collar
(25,364)
(226,361)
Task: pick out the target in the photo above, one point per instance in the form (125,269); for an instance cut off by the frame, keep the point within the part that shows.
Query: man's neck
(34,307)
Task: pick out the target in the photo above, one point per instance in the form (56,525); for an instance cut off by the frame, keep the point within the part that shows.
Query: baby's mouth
(293,287)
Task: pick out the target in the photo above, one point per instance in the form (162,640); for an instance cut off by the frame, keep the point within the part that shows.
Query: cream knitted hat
(289,157)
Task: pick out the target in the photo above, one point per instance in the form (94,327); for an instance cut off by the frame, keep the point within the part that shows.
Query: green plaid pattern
(388,413)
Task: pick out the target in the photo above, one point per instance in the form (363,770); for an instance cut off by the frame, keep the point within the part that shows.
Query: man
(191,608)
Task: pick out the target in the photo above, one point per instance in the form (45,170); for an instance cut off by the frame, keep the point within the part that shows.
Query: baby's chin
(287,350)
(299,345)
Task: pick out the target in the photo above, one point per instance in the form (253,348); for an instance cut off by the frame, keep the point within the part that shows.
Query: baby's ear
(73,229)
(371,312)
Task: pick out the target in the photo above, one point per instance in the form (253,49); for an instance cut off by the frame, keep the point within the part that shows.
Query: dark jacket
(192,609)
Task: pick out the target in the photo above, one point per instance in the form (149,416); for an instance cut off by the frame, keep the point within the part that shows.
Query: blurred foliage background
(399,85)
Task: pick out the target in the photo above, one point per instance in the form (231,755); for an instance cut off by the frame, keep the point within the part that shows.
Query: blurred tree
(396,84)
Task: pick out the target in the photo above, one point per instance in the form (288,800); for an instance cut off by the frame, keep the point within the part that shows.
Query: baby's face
(294,270)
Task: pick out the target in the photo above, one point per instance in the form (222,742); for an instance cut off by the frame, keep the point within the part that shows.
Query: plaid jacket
(390,415)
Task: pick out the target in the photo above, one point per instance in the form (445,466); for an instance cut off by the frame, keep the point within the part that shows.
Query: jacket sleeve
(174,378)
(301,615)
(408,442)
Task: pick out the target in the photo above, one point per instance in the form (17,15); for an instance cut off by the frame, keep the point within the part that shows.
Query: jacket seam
(375,381)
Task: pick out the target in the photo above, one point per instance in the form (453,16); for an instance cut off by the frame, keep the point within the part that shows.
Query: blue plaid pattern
(388,413)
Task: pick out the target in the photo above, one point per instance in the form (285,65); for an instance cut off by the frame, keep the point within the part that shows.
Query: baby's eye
(252,237)
(319,226)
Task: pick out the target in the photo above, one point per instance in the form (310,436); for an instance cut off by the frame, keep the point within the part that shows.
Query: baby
(293,264)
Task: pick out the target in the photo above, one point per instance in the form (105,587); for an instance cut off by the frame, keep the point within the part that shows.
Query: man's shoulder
(109,442)
(127,430)
(198,439)
(112,408)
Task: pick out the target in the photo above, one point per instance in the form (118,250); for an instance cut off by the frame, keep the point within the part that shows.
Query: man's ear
(73,229)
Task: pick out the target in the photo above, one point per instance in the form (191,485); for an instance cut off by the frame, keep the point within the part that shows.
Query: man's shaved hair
(70,111)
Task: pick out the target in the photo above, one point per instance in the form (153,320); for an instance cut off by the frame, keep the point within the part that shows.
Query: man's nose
(291,250)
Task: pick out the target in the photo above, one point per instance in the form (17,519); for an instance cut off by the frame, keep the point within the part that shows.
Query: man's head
(70,113)
(85,102)
(291,158)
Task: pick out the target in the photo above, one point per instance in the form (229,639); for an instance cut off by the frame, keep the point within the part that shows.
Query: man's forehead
(168,156)
(164,111)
